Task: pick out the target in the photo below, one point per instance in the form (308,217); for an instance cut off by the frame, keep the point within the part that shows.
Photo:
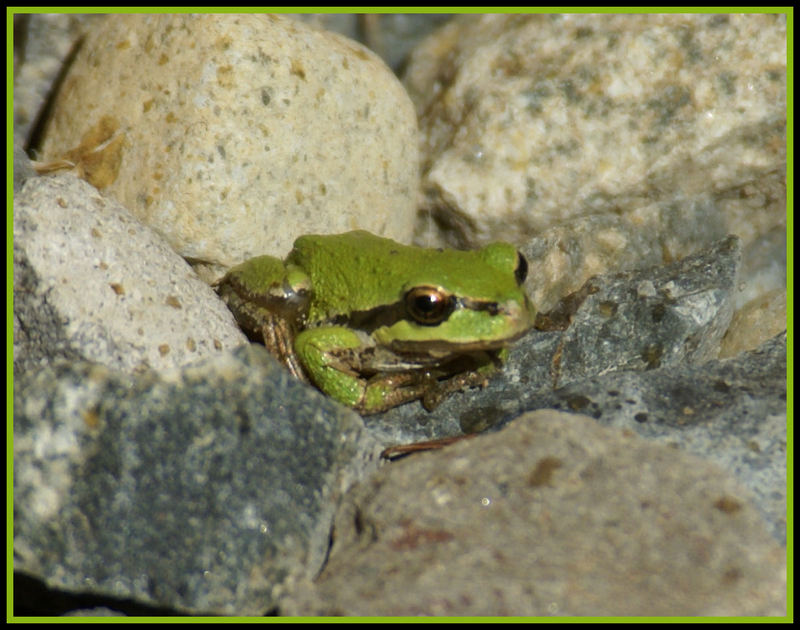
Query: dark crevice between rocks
(36,135)
(33,598)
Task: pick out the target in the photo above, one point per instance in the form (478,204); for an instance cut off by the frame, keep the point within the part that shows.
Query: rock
(92,282)
(731,412)
(670,128)
(234,134)
(553,516)
(763,266)
(393,36)
(670,315)
(562,258)
(758,320)
(23,169)
(203,490)
(390,35)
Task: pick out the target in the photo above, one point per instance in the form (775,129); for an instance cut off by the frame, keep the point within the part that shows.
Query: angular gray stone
(670,315)
(203,490)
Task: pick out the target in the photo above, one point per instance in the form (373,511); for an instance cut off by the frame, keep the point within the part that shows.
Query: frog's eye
(521,270)
(429,305)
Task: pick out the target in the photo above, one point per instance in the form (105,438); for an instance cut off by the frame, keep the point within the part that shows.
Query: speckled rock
(234,134)
(529,121)
(202,489)
(552,516)
(92,282)
(731,412)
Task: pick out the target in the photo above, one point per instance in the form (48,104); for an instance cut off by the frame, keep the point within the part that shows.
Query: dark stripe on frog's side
(370,320)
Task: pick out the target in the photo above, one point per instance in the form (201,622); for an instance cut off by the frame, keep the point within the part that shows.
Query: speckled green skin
(357,271)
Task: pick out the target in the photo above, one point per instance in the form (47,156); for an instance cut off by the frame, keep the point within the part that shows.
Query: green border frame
(11,11)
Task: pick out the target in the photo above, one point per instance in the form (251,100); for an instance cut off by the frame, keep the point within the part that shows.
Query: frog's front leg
(277,336)
(332,356)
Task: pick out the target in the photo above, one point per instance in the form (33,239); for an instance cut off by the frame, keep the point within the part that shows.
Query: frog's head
(458,302)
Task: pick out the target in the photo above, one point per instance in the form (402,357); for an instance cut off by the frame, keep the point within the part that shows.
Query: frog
(375,324)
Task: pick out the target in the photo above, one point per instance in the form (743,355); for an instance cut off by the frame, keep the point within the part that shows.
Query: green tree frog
(374,324)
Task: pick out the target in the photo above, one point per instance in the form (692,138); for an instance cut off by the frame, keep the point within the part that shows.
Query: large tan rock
(234,134)
(530,121)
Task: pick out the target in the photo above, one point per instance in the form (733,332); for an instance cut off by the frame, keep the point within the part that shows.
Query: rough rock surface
(91,281)
(552,516)
(203,490)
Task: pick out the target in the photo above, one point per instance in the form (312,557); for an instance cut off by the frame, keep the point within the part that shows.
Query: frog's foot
(434,396)
(334,357)
(387,391)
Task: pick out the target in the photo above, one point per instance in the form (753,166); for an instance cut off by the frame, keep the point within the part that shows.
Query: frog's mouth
(439,349)
(435,362)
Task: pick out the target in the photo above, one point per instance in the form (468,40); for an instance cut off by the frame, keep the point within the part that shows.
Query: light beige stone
(760,319)
(529,121)
(234,134)
(92,279)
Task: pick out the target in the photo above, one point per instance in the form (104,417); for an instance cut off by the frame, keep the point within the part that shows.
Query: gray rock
(23,169)
(732,412)
(203,490)
(763,264)
(393,36)
(553,516)
(390,35)
(94,612)
(670,315)
(42,45)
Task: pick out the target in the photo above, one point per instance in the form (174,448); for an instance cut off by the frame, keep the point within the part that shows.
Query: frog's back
(354,271)
(358,271)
